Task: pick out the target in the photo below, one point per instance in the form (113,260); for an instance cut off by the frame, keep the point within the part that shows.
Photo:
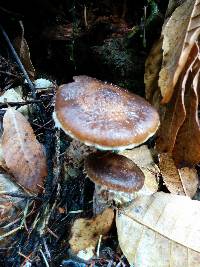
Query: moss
(121,63)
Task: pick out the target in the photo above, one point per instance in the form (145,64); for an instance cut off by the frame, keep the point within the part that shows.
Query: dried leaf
(2,160)
(182,181)
(7,186)
(143,158)
(175,110)
(187,147)
(152,69)
(190,180)
(180,33)
(86,232)
(23,154)
(14,95)
(172,5)
(22,48)
(160,230)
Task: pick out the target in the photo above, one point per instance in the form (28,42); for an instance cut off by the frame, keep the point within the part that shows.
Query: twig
(24,256)
(46,248)
(98,246)
(13,104)
(9,73)
(52,233)
(10,232)
(23,222)
(44,258)
(85,16)
(19,195)
(18,61)
(57,168)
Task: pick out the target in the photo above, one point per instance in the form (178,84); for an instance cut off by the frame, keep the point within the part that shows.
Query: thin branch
(18,61)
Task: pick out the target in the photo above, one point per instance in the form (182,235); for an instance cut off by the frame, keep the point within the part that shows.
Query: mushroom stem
(104,198)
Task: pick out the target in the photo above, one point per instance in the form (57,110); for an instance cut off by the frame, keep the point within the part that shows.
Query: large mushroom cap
(114,171)
(103,115)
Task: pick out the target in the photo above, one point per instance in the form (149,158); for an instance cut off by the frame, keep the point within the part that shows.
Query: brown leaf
(143,158)
(152,69)
(172,5)
(187,147)
(180,33)
(190,180)
(182,181)
(22,49)
(23,154)
(86,232)
(175,110)
(10,206)
(160,230)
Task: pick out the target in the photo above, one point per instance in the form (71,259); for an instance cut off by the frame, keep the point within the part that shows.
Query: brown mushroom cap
(103,115)
(114,171)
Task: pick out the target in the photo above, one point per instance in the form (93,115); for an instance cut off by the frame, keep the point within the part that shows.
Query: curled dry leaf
(23,154)
(160,230)
(187,147)
(175,110)
(183,181)
(24,54)
(179,35)
(9,206)
(86,232)
(152,69)
(143,158)
(22,48)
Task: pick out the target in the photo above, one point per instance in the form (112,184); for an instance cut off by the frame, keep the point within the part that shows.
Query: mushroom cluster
(107,117)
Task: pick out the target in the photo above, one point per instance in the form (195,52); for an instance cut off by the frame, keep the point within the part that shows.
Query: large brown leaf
(187,147)
(175,110)
(161,230)
(182,181)
(180,33)
(23,154)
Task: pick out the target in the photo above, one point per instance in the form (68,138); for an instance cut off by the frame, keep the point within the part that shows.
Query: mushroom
(104,115)
(115,176)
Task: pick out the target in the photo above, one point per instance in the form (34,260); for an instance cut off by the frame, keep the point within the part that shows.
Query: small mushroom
(104,115)
(115,176)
